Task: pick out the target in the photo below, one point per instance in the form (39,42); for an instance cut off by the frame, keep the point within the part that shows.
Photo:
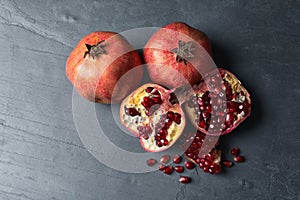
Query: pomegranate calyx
(183,51)
(95,50)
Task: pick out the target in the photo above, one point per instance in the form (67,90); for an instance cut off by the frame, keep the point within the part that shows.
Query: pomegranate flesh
(219,103)
(149,114)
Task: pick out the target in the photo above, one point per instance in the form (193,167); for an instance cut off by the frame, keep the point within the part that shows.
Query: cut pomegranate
(176,159)
(168,170)
(185,179)
(153,115)
(179,169)
(219,104)
(235,151)
(239,159)
(209,162)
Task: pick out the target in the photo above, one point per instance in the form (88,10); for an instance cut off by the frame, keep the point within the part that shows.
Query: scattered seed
(227,163)
(239,158)
(176,159)
(235,151)
(165,159)
(185,179)
(151,162)
(179,169)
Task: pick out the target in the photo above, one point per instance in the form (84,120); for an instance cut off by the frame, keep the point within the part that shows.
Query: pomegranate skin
(161,61)
(96,77)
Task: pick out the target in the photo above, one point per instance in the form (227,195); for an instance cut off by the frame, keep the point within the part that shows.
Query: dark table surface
(41,154)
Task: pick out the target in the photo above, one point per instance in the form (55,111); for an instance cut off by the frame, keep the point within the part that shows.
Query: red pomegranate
(178,54)
(98,62)
(219,103)
(152,114)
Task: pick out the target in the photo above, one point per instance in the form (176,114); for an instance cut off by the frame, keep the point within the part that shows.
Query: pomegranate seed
(131,111)
(235,151)
(168,170)
(176,159)
(161,167)
(189,165)
(149,89)
(179,169)
(151,162)
(177,118)
(227,163)
(185,179)
(165,159)
(239,159)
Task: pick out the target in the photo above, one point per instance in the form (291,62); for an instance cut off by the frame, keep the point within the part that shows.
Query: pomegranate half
(219,103)
(151,114)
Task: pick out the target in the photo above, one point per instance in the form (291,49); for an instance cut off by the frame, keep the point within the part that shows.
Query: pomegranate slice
(219,104)
(208,162)
(151,113)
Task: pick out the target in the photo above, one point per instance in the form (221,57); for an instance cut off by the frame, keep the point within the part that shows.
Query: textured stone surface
(41,155)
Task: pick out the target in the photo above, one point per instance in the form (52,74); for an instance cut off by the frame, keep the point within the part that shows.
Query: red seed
(239,159)
(161,167)
(185,179)
(151,162)
(227,163)
(177,118)
(189,165)
(168,170)
(179,169)
(149,89)
(176,159)
(165,159)
(235,151)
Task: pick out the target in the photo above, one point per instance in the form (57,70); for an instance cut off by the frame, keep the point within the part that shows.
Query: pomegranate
(208,161)
(98,62)
(189,165)
(178,47)
(219,104)
(151,114)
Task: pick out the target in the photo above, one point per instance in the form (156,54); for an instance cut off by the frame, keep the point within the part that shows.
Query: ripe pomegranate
(204,154)
(219,103)
(151,113)
(178,54)
(98,62)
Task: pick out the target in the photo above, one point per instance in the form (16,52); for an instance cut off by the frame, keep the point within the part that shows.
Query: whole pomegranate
(154,115)
(98,62)
(178,54)
(219,103)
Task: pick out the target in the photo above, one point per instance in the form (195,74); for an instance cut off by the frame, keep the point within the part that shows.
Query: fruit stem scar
(183,51)
(95,50)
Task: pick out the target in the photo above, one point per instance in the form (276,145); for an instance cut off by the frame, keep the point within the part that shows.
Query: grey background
(41,155)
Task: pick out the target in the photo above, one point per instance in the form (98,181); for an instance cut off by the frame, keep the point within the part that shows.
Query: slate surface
(41,155)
